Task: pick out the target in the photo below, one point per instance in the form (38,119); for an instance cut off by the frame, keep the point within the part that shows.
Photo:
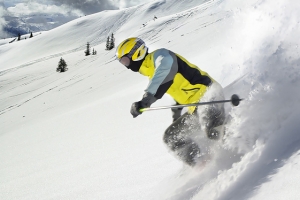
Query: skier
(170,73)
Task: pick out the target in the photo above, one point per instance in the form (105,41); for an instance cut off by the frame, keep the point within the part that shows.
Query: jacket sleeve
(166,67)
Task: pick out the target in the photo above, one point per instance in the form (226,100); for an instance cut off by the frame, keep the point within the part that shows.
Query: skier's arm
(166,68)
(146,102)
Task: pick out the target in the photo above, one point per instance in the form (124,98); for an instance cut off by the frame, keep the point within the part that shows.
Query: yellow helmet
(133,48)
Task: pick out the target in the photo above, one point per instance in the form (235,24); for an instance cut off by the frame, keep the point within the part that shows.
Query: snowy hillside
(70,135)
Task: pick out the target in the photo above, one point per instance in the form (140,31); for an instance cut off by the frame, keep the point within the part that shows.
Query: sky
(85,6)
(71,135)
(67,9)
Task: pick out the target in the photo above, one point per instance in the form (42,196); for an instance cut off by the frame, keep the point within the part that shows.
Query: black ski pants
(178,135)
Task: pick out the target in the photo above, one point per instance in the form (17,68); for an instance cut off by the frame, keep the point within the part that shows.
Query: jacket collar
(147,68)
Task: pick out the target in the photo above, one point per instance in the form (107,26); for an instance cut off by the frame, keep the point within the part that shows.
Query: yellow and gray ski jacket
(172,74)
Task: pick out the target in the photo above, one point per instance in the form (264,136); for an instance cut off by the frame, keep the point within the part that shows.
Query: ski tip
(235,100)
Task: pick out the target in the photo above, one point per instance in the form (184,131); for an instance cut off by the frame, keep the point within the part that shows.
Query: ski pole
(235,101)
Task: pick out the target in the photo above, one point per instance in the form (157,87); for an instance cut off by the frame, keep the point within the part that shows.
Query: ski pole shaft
(235,100)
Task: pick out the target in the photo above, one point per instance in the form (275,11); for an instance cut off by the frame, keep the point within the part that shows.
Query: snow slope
(71,136)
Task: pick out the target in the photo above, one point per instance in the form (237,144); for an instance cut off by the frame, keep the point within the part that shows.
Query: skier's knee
(213,134)
(213,125)
(173,141)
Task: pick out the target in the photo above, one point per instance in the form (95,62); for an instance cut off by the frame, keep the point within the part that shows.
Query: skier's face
(135,65)
(125,60)
(132,65)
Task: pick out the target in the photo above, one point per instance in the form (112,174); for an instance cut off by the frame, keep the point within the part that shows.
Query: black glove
(176,112)
(146,102)
(135,109)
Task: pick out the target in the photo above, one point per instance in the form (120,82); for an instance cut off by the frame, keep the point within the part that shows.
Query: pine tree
(62,66)
(107,43)
(112,42)
(88,51)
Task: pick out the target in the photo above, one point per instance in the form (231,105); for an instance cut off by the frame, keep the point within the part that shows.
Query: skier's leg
(213,115)
(177,138)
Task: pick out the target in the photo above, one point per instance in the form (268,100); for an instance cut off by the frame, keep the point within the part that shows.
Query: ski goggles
(125,60)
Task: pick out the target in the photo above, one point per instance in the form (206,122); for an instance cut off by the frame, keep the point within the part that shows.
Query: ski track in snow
(41,113)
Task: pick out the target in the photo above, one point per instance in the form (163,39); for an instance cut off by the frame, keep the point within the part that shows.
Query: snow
(70,135)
